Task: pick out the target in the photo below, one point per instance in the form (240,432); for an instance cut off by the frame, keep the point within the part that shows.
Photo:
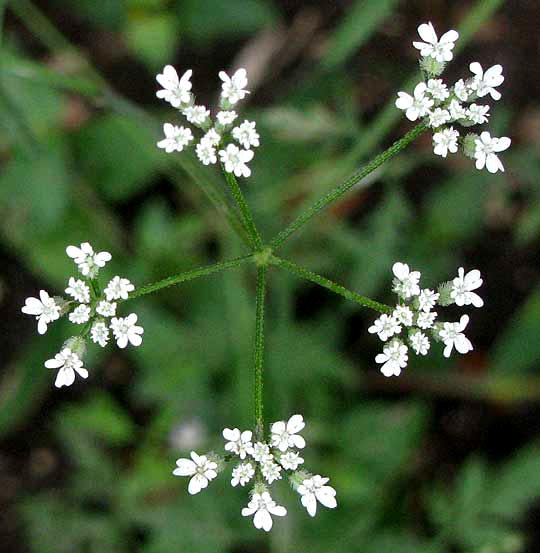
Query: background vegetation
(444,459)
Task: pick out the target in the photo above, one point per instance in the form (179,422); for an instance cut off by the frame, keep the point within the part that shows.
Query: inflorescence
(410,324)
(441,108)
(89,307)
(414,314)
(263,463)
(216,140)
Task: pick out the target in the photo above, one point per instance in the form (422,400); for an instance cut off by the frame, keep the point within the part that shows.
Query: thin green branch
(330,285)
(190,275)
(238,195)
(344,187)
(259,352)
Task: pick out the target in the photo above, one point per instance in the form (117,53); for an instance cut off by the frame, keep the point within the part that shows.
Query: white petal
(135,339)
(65,377)
(262,519)
(327,496)
(54,363)
(493,163)
(196,484)
(427,32)
(400,270)
(476,300)
(278,510)
(83,373)
(185,467)
(295,424)
(297,441)
(248,511)
(502,144)
(404,100)
(42,326)
(309,501)
(450,36)
(476,68)
(231,435)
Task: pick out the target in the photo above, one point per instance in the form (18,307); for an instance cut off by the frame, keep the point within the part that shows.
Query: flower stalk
(259,352)
(345,186)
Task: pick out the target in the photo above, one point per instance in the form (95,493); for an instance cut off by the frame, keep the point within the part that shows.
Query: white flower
(106,308)
(118,288)
(176,138)
(315,489)
(485,155)
(78,290)
(238,442)
(80,314)
(478,114)
(463,286)
(394,358)
(196,115)
(233,88)
(125,330)
(407,284)
(445,141)
(271,471)
(67,363)
(456,110)
(452,336)
(199,468)
(419,343)
(45,310)
(261,452)
(385,327)
(427,299)
(100,333)
(206,153)
(290,460)
(235,160)
(462,90)
(437,89)
(226,118)
(212,138)
(242,474)
(285,435)
(425,320)
(485,83)
(438,117)
(262,506)
(441,49)
(88,261)
(416,106)
(246,134)
(403,315)
(175,91)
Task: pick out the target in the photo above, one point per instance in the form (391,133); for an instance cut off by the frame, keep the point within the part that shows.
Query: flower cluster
(414,312)
(263,463)
(442,108)
(218,136)
(86,306)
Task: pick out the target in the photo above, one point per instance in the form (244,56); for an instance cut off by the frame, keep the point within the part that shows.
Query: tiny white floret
(393,358)
(417,105)
(246,134)
(45,309)
(313,490)
(445,141)
(125,330)
(233,88)
(385,327)
(175,91)
(201,470)
(262,506)
(485,83)
(80,315)
(242,474)
(234,159)
(452,336)
(118,288)
(285,434)
(176,138)
(440,49)
(462,288)
(238,442)
(78,290)
(486,151)
(99,333)
(67,363)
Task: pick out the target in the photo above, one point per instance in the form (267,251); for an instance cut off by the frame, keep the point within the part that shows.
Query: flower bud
(469,145)
(77,344)
(431,66)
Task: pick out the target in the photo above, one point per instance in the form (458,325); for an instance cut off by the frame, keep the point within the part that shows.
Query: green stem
(259,352)
(344,187)
(190,275)
(244,209)
(334,287)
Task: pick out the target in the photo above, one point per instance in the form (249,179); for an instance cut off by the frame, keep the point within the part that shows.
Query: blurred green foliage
(81,164)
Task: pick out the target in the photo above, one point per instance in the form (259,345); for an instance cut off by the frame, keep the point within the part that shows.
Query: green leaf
(119,155)
(517,348)
(153,38)
(356,27)
(212,19)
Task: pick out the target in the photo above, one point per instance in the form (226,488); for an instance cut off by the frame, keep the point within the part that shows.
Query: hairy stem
(344,187)
(259,352)
(244,209)
(330,285)
(190,275)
